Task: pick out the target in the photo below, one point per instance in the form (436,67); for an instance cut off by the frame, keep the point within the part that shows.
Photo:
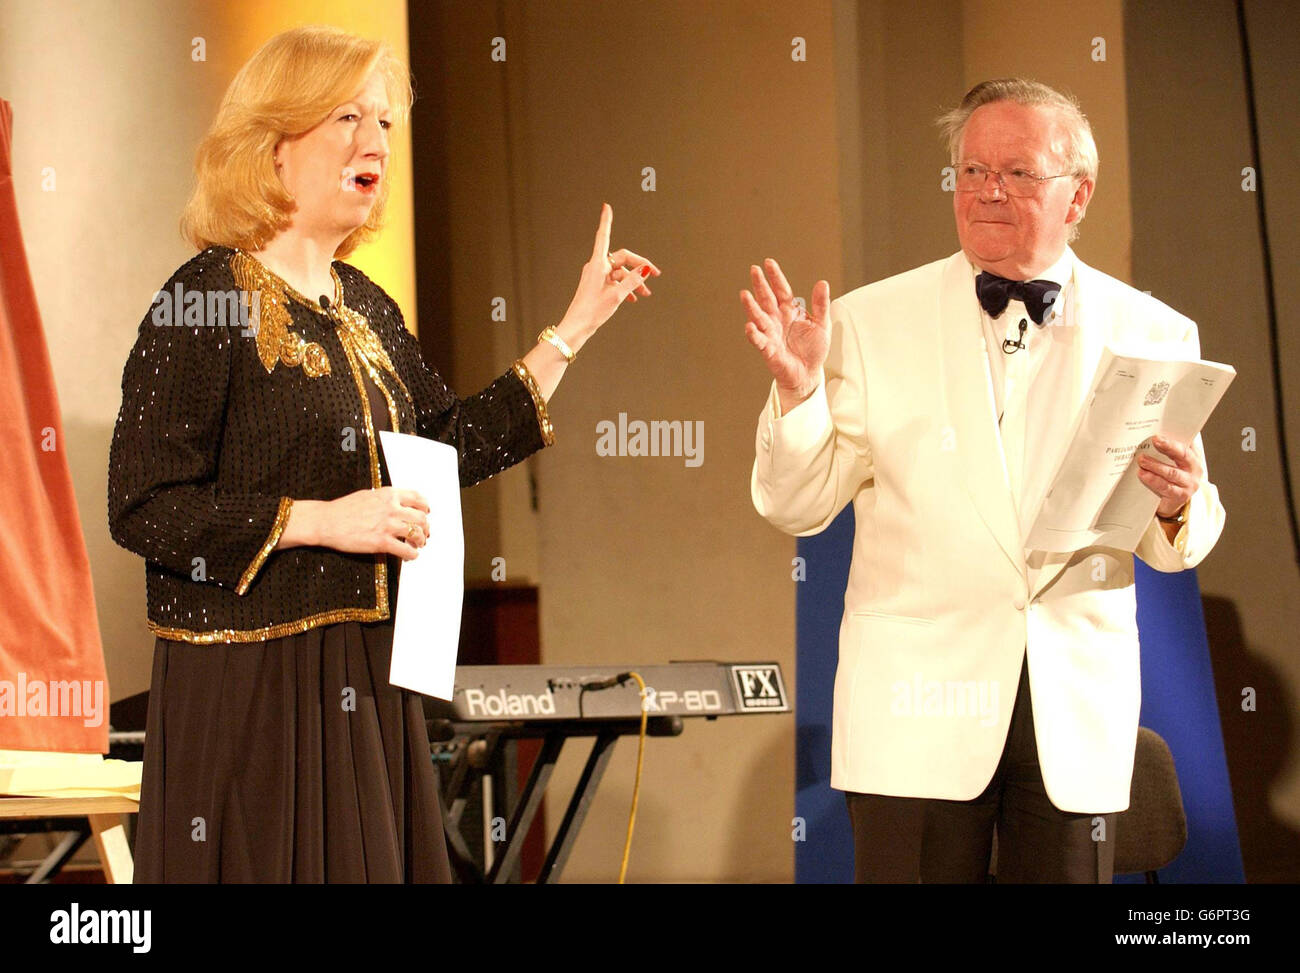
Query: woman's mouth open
(364,182)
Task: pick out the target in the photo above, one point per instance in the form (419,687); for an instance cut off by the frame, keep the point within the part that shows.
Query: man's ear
(1079,204)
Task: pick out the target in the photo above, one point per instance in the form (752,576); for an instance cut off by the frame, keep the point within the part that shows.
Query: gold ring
(411,528)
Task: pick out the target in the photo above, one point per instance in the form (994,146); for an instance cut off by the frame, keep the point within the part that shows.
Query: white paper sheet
(1096,496)
(431,588)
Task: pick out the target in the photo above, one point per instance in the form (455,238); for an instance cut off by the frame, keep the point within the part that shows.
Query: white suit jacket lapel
(1093,314)
(1095,318)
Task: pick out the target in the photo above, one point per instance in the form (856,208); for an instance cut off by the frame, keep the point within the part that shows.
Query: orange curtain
(53,687)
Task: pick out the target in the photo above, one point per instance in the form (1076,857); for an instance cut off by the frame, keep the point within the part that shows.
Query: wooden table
(107,827)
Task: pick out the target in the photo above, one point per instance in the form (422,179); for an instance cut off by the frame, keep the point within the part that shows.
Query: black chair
(1153,831)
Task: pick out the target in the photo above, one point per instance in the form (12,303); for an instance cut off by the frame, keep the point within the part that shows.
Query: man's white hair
(1081,150)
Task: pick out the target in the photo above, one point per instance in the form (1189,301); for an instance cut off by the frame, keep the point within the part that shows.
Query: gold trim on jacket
(281,518)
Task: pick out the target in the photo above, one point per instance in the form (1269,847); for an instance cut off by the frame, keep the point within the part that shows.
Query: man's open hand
(791,340)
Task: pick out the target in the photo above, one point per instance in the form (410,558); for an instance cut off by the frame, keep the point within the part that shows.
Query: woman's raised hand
(792,341)
(381,521)
(608,279)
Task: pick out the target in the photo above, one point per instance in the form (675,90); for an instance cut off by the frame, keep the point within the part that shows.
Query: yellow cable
(636,788)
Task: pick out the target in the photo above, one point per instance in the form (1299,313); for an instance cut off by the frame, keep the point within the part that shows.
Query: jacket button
(1020,604)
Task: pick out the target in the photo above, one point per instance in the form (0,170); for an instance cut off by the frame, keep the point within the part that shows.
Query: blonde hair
(285,89)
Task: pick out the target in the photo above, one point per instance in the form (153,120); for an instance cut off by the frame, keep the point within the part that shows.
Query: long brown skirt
(290,760)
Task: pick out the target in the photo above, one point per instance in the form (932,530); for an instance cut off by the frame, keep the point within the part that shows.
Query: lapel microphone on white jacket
(1011,347)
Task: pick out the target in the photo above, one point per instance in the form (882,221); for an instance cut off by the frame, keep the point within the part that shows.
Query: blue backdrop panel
(826,854)
(1178,702)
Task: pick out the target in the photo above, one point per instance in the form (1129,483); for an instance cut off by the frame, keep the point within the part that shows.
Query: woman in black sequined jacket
(243,466)
(214,446)
(245,470)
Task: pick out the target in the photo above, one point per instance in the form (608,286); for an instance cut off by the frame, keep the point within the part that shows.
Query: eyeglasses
(972,176)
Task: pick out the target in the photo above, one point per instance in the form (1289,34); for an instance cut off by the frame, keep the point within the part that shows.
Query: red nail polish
(645,270)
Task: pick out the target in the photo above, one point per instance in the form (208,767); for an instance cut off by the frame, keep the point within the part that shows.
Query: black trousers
(911,839)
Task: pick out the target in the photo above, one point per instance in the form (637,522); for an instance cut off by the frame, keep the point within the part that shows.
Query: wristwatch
(1178,518)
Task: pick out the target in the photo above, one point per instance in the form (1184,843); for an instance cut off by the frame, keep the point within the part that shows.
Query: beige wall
(1197,247)
(489,227)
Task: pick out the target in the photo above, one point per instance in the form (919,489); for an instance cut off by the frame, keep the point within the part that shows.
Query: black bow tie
(996,292)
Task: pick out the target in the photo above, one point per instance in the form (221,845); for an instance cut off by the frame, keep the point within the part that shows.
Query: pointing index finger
(601,249)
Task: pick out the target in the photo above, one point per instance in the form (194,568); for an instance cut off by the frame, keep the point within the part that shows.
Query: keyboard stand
(480,743)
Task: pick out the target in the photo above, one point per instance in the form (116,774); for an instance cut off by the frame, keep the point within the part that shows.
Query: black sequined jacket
(239,397)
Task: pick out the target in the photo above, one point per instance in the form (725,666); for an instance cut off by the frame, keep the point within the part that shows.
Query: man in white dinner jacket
(980,685)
